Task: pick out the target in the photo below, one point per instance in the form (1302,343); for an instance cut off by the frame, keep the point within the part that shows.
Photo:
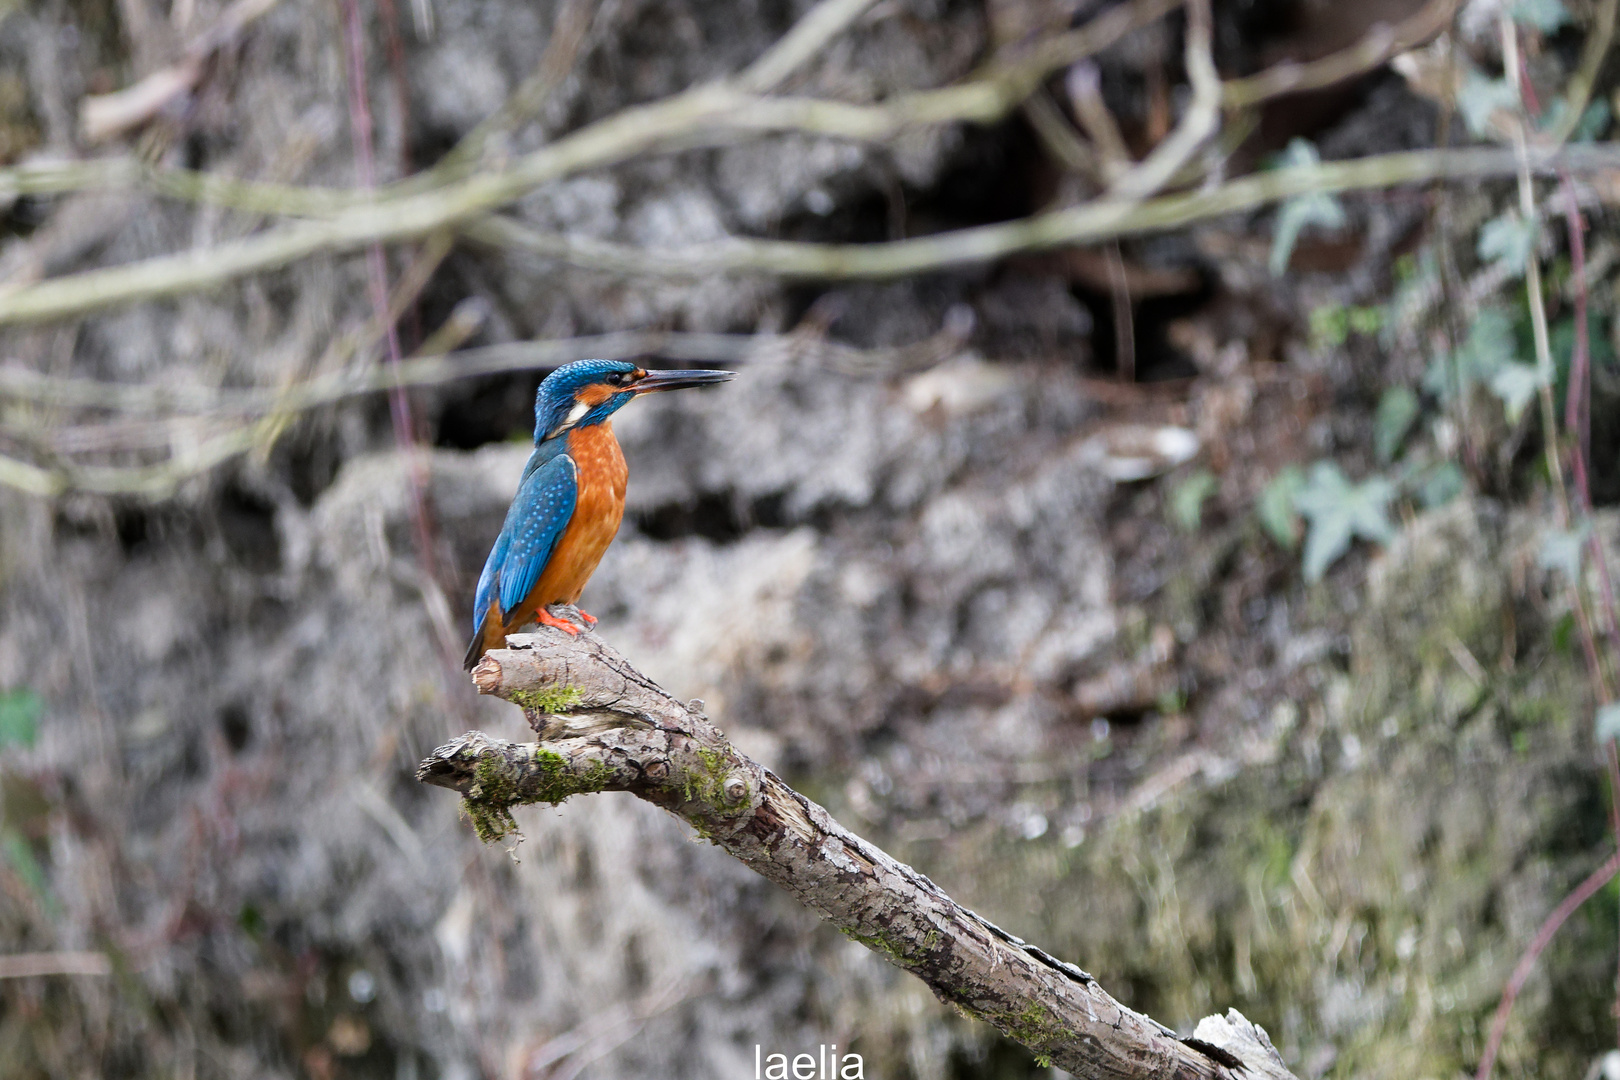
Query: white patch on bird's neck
(575,415)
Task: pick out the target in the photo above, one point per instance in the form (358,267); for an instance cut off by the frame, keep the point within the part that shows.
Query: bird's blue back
(540,512)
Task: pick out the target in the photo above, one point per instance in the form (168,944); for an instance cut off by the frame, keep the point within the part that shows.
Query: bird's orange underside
(598,509)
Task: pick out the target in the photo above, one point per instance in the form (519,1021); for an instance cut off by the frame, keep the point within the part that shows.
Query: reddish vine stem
(399,403)
(1578,399)
(1576,422)
(1527,963)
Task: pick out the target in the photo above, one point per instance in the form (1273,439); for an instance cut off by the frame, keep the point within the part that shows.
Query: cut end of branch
(486,675)
(451,765)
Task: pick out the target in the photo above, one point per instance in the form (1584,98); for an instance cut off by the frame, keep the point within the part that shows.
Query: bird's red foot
(590,620)
(546,618)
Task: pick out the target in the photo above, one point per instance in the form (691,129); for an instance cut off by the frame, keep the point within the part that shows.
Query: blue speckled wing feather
(540,512)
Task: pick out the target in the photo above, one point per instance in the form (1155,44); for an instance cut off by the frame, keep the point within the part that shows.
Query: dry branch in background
(1088,223)
(741,108)
(198,428)
(604,726)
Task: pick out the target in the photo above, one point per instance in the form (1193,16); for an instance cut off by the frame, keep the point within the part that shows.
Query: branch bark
(603,726)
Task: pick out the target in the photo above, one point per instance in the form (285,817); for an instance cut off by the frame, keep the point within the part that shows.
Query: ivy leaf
(1491,341)
(1340,511)
(1508,241)
(1480,97)
(1593,122)
(1515,385)
(1608,722)
(1187,500)
(1397,410)
(1544,15)
(16,853)
(1366,320)
(1441,484)
(19,718)
(1275,507)
(1330,325)
(1318,208)
(1561,551)
(1491,344)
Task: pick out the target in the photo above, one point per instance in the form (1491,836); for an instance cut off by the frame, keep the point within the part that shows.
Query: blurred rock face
(902,590)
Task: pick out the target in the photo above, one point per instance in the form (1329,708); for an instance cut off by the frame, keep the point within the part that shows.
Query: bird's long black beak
(676,380)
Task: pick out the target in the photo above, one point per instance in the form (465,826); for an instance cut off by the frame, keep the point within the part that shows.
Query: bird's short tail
(475,651)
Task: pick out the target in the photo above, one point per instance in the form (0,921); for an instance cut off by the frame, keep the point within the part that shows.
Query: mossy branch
(1089,223)
(603,726)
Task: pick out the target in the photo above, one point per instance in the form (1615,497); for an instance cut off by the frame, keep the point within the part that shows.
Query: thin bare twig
(430,368)
(824,22)
(1200,122)
(1066,148)
(33,965)
(1578,416)
(1086,224)
(1579,90)
(173,275)
(703,116)
(1018,73)
(568,33)
(101,116)
(1532,276)
(1084,86)
(275,408)
(1378,45)
(1119,290)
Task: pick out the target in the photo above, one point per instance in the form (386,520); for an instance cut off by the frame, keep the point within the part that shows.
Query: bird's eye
(616,379)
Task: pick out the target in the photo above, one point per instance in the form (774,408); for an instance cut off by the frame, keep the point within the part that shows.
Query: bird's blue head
(587,392)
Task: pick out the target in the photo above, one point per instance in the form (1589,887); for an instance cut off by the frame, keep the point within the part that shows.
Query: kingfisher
(570,501)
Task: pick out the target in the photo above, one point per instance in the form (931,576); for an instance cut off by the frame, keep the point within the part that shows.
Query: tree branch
(1377,46)
(704,116)
(825,21)
(1198,124)
(1089,223)
(252,417)
(604,726)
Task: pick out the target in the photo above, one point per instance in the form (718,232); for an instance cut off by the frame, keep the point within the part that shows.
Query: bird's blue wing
(540,511)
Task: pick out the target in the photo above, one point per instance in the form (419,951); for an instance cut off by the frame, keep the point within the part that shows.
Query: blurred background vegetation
(1169,499)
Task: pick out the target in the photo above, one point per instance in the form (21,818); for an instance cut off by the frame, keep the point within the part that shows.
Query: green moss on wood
(1032,1026)
(498,786)
(490,821)
(489,800)
(555,699)
(891,947)
(556,781)
(897,949)
(707,784)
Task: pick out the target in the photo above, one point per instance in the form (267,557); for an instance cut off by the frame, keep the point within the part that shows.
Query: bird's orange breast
(598,509)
